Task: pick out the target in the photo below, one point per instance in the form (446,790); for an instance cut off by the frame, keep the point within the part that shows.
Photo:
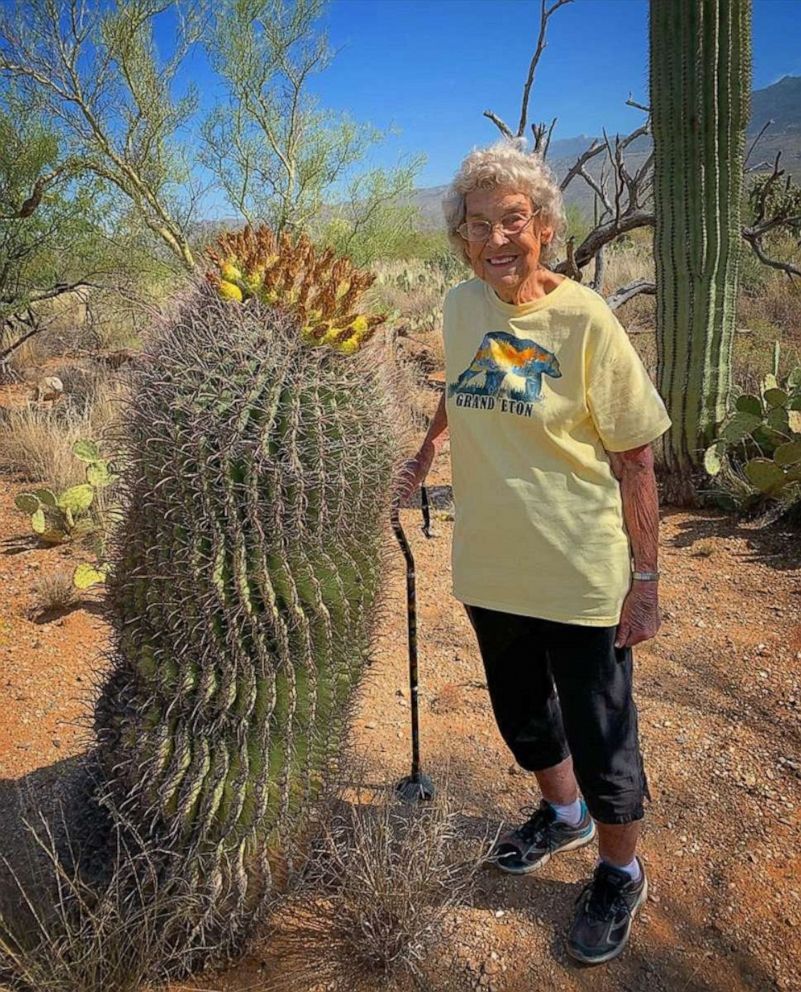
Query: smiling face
(508,262)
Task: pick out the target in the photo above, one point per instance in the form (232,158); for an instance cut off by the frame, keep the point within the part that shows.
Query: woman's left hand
(639,618)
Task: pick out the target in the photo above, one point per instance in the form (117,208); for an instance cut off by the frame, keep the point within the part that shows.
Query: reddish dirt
(719,695)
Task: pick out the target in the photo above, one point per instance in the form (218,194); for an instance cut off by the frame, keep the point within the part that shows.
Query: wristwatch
(646,576)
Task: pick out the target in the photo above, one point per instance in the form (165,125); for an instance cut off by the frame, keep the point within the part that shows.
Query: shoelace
(537,826)
(604,896)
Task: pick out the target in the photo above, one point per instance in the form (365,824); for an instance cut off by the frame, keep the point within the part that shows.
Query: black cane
(415,787)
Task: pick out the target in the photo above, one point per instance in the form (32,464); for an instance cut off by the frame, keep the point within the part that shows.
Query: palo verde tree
(700,80)
(48,232)
(94,73)
(280,157)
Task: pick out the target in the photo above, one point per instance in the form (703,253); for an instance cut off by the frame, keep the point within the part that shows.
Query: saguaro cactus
(700,83)
(258,467)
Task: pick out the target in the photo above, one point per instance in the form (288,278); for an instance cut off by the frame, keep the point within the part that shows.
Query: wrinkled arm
(634,470)
(438,425)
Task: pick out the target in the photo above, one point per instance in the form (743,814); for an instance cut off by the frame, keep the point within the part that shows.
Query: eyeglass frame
(493,225)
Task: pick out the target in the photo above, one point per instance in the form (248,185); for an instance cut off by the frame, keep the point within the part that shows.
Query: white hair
(506,164)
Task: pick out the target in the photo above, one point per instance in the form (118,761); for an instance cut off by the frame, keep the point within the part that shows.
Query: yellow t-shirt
(535,393)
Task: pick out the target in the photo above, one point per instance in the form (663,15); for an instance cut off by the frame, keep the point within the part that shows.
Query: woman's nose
(497,237)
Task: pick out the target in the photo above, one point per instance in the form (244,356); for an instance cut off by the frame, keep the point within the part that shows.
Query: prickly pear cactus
(258,471)
(762,435)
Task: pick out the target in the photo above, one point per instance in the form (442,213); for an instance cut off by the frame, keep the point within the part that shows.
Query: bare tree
(776,205)
(624,201)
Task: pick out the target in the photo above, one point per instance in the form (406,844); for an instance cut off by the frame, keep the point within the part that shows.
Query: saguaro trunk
(700,83)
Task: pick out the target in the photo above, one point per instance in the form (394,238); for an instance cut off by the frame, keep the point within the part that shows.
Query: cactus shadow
(18,545)
(43,617)
(45,801)
(771,546)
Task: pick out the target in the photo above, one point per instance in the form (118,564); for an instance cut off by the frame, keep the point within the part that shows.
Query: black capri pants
(560,689)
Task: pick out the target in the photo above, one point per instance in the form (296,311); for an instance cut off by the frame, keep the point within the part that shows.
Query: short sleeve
(624,404)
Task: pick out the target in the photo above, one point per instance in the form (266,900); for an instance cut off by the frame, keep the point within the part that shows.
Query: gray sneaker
(605,908)
(532,844)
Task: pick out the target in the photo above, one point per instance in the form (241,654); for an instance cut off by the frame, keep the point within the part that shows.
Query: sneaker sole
(578,842)
(578,956)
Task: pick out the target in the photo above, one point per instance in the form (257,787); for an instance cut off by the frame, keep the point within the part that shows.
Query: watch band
(646,576)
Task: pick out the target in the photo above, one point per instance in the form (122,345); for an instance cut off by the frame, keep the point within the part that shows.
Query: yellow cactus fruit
(230,272)
(229,291)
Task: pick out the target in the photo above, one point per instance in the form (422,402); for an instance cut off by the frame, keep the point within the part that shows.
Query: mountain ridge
(780,103)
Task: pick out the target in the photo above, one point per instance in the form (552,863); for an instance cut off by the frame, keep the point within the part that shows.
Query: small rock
(498,914)
(369,726)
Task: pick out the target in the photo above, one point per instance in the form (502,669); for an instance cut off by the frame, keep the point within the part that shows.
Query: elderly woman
(551,414)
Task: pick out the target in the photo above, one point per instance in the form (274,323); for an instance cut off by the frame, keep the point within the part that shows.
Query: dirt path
(719,696)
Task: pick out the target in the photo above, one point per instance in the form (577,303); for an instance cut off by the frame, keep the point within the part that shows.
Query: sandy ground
(719,700)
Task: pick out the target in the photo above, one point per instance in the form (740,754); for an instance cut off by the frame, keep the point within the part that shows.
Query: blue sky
(431,67)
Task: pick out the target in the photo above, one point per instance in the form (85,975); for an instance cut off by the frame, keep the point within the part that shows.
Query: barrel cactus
(258,462)
(700,77)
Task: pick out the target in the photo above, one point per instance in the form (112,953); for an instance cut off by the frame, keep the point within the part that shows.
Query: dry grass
(373,899)
(54,591)
(73,936)
(36,440)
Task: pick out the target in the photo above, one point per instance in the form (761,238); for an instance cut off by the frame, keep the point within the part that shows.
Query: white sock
(571,813)
(632,869)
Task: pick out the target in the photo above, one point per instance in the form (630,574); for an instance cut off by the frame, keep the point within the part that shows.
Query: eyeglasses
(481,230)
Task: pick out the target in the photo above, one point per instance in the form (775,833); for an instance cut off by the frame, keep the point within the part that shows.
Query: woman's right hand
(414,472)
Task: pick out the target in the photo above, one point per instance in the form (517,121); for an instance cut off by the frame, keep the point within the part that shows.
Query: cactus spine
(258,475)
(700,80)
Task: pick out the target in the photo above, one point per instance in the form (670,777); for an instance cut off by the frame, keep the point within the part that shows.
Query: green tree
(278,155)
(94,72)
(47,235)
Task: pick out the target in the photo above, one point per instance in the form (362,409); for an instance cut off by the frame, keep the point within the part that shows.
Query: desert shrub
(72,935)
(54,591)
(374,895)
(36,440)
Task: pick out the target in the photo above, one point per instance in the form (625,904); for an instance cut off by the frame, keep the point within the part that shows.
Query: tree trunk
(700,81)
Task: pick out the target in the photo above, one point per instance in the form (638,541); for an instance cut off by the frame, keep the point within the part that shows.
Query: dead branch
(755,142)
(762,224)
(629,291)
(545,13)
(539,130)
(29,319)
(40,187)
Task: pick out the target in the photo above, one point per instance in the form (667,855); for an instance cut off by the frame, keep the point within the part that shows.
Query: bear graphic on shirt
(507,366)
